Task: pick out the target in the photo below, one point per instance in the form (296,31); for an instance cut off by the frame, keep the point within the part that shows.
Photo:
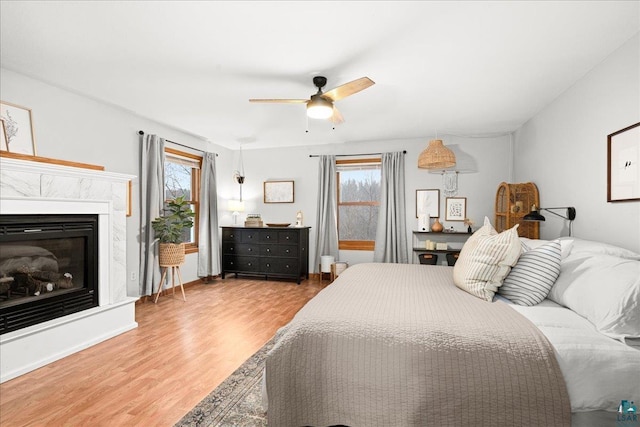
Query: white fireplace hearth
(28,187)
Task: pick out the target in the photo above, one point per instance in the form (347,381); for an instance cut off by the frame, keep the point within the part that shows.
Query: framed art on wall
(17,129)
(3,136)
(456,209)
(428,203)
(278,192)
(623,164)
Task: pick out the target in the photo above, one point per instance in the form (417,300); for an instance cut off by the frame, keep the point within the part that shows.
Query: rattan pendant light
(436,156)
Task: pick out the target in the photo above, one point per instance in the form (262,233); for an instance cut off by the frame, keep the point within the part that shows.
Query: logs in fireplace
(48,268)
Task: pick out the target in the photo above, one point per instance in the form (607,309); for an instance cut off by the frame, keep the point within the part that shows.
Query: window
(182,178)
(358,203)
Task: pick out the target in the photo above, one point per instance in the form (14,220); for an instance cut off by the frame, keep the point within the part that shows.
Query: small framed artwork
(3,136)
(428,203)
(17,129)
(278,192)
(623,165)
(456,209)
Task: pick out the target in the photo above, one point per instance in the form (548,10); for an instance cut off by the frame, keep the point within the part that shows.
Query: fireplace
(48,267)
(69,197)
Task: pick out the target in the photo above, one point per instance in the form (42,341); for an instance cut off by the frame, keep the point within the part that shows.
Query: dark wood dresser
(281,252)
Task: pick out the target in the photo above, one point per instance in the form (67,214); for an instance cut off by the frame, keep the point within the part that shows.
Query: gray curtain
(326,218)
(208,243)
(391,234)
(151,202)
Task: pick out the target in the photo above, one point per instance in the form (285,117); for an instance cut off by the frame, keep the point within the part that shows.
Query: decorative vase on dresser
(437,226)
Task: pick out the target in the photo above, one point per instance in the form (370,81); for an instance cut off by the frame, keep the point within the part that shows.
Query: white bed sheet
(599,371)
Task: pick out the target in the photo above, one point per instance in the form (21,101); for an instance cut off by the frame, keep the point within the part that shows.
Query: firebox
(48,267)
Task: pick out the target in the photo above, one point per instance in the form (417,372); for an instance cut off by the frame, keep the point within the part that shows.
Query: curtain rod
(141,132)
(354,155)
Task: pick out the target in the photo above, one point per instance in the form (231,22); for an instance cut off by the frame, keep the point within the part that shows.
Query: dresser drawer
(286,266)
(230,235)
(229,248)
(249,236)
(288,250)
(287,236)
(247,249)
(241,263)
(268,236)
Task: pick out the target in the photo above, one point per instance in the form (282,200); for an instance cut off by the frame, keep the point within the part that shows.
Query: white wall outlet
(134,276)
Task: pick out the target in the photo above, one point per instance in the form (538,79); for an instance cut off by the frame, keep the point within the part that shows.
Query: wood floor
(153,375)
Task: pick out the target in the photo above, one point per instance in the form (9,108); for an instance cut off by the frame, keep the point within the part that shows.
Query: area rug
(235,402)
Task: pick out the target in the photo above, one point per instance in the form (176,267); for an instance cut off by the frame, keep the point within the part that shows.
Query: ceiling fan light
(319,108)
(436,156)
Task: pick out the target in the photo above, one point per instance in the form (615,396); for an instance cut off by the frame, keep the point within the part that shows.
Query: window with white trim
(358,203)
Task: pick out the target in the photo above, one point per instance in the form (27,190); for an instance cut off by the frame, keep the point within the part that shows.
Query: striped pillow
(485,261)
(533,276)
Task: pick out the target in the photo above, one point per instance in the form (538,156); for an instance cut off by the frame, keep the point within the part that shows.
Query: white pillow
(485,260)
(604,289)
(565,244)
(591,247)
(531,279)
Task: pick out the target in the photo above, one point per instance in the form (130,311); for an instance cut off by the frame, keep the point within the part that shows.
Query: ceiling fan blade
(336,118)
(348,89)
(282,101)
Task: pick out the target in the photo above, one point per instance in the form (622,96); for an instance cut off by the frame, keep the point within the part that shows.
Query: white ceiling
(465,68)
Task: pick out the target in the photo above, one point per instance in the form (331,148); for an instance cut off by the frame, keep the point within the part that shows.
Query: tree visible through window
(358,203)
(182,178)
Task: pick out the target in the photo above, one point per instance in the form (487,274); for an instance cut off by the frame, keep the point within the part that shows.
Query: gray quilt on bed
(400,345)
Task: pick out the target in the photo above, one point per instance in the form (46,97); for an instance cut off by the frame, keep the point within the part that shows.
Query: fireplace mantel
(28,187)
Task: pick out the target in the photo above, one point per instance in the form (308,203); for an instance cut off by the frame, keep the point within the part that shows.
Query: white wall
(76,128)
(489,155)
(563,149)
(71,127)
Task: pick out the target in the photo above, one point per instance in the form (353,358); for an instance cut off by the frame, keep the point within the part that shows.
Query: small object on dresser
(253,220)
(441,246)
(437,227)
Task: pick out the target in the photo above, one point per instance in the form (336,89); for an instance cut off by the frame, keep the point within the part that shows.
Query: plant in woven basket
(170,228)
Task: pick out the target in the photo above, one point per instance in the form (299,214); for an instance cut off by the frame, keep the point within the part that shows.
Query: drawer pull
(287,237)
(287,266)
(250,249)
(268,237)
(268,250)
(287,251)
(268,265)
(231,263)
(249,264)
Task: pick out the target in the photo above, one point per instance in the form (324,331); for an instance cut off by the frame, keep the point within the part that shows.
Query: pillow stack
(601,283)
(485,260)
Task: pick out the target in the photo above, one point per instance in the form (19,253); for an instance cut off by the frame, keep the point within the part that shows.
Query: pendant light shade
(436,156)
(319,108)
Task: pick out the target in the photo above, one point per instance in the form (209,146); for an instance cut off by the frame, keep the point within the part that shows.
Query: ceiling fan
(320,105)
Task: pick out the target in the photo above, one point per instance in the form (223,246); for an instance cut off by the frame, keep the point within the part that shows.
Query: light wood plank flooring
(155,374)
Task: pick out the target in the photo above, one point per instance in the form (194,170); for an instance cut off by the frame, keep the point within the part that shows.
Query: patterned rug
(235,402)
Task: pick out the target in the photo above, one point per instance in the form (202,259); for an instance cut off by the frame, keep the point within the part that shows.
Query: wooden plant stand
(174,269)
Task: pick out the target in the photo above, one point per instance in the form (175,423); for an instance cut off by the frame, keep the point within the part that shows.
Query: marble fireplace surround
(28,187)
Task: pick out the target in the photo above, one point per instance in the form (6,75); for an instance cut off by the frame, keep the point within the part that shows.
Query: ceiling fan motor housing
(320,82)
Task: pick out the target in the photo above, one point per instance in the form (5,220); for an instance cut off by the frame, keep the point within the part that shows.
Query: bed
(405,345)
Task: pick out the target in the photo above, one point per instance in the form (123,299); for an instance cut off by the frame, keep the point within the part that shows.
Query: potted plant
(169,230)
